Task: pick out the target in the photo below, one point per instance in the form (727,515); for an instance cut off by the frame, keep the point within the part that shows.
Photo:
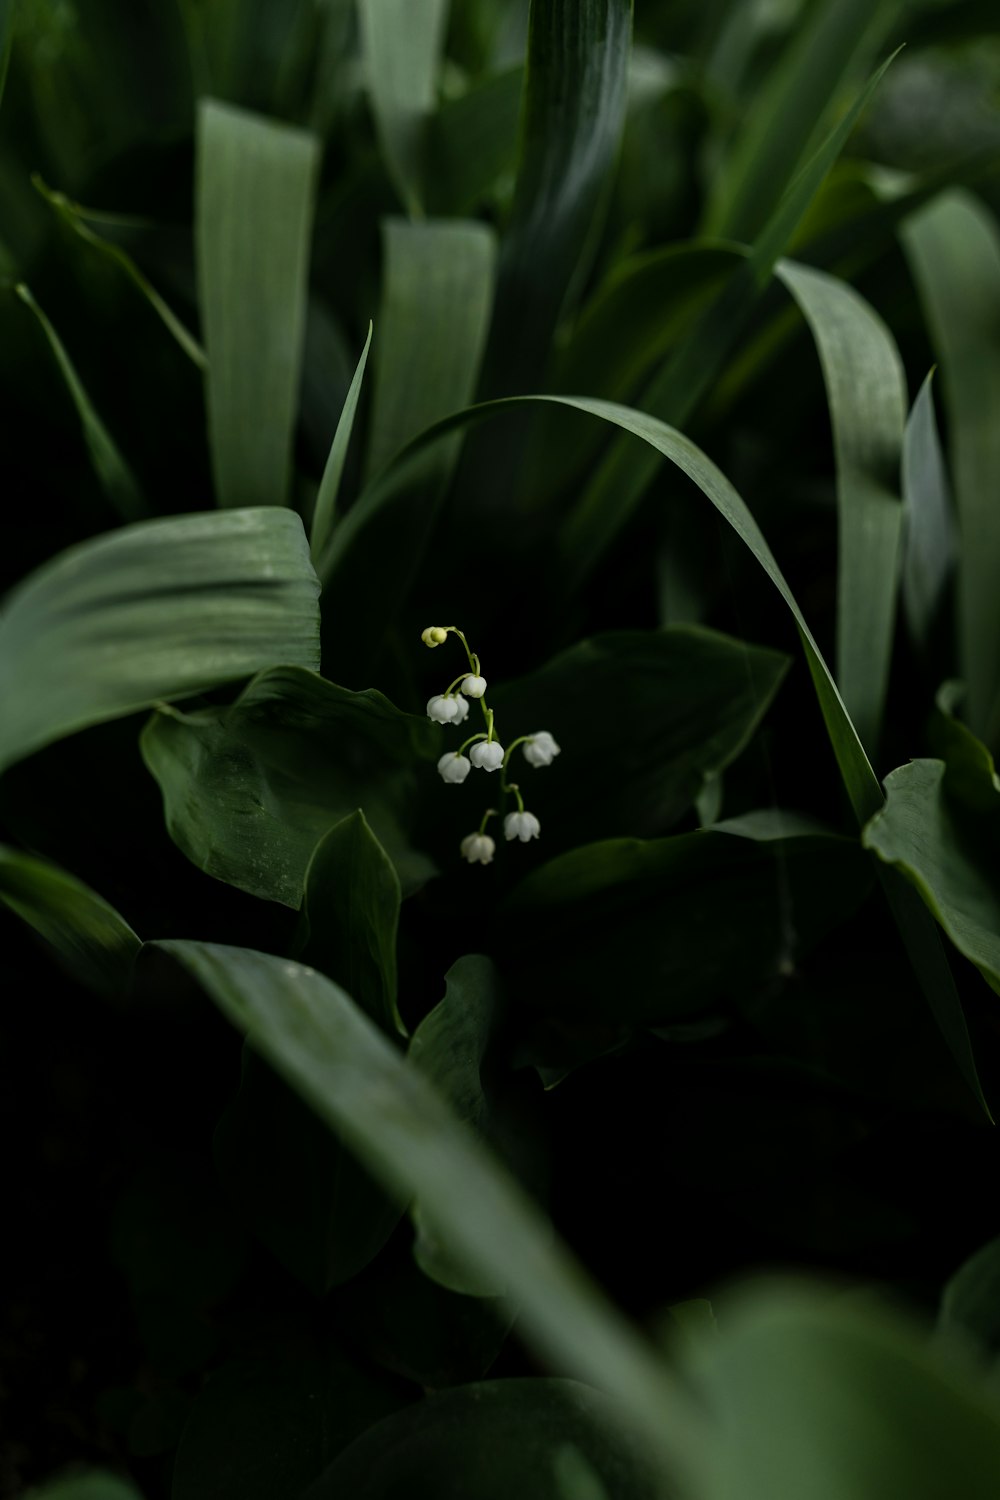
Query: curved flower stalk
(485,751)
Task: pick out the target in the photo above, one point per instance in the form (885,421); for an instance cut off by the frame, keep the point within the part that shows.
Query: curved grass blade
(325,514)
(95,944)
(402,41)
(254,193)
(403,1132)
(117,479)
(866,391)
(75,217)
(159,610)
(953,247)
(928,528)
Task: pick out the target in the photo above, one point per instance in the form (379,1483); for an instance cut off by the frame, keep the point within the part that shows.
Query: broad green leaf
(95,944)
(814,1393)
(866,391)
(449,1047)
(325,514)
(254,192)
(75,217)
(953,246)
(350,915)
(116,478)
(928,529)
(948,854)
(406,1135)
(250,790)
(572,115)
(402,43)
(676,927)
(261,1430)
(97,1484)
(695,366)
(436,297)
(971,775)
(472,140)
(158,610)
(780,128)
(970,1305)
(575,1478)
(490,1441)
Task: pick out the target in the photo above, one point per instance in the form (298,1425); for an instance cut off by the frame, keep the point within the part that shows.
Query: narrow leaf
(402,43)
(325,514)
(117,479)
(158,610)
(255,188)
(928,528)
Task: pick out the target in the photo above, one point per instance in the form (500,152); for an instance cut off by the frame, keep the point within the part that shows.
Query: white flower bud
(487,755)
(444,710)
(453,768)
(461,710)
(474,687)
(521,825)
(541,749)
(478,849)
(434,635)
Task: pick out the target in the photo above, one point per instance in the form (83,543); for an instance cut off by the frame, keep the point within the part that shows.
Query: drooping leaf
(250,790)
(403,1131)
(953,246)
(866,391)
(261,1430)
(491,1441)
(402,45)
(350,915)
(928,528)
(255,186)
(158,610)
(325,514)
(970,1304)
(116,478)
(95,944)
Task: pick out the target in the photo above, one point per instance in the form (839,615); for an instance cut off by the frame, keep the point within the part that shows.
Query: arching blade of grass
(928,528)
(866,391)
(402,42)
(325,514)
(117,479)
(407,1137)
(953,246)
(159,610)
(254,194)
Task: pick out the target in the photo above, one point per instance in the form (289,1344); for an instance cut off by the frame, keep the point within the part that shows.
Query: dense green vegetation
(499,680)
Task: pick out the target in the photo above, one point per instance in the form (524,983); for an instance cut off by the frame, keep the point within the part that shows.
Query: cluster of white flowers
(486,753)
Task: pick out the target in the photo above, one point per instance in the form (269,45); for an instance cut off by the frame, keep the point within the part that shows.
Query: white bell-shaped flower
(453,768)
(541,749)
(461,710)
(444,710)
(478,849)
(474,687)
(521,825)
(487,755)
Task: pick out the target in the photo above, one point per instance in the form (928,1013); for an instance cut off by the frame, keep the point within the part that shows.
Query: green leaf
(350,915)
(325,515)
(8,16)
(449,1047)
(971,774)
(399,1126)
(676,927)
(75,217)
(947,854)
(953,247)
(970,1305)
(436,296)
(250,790)
(95,944)
(158,610)
(98,1484)
(472,140)
(116,478)
(573,111)
(261,1430)
(866,391)
(817,1394)
(254,193)
(491,1441)
(778,131)
(928,529)
(402,44)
